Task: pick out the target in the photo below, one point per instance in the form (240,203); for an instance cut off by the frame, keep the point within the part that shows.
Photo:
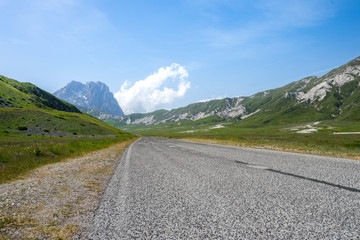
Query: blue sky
(165,54)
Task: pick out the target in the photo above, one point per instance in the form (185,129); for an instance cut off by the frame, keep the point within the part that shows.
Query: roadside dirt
(57,201)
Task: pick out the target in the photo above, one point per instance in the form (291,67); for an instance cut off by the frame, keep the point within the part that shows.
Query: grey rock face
(92,95)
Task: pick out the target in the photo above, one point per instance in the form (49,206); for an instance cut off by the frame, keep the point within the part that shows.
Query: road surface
(167,189)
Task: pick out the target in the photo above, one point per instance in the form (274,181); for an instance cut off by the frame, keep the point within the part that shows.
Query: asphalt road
(167,189)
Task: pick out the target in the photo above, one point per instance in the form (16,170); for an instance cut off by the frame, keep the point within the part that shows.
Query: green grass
(27,121)
(19,156)
(27,95)
(33,137)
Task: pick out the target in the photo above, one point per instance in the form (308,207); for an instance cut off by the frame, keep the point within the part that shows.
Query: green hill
(26,95)
(26,110)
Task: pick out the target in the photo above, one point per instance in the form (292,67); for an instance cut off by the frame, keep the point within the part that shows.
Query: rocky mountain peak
(316,88)
(346,73)
(92,95)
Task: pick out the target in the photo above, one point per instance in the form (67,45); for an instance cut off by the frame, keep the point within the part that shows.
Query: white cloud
(213,98)
(145,95)
(321,72)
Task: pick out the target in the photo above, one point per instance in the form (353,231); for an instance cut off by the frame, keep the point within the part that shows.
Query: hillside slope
(26,110)
(335,95)
(18,94)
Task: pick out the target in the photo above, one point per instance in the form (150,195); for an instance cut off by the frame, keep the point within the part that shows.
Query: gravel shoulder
(58,201)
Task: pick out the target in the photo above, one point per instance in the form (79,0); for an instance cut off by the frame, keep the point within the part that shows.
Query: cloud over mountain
(145,95)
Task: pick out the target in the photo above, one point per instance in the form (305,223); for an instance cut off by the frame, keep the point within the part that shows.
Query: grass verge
(344,146)
(18,156)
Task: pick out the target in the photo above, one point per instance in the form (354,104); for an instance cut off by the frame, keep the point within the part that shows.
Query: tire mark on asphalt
(300,177)
(316,180)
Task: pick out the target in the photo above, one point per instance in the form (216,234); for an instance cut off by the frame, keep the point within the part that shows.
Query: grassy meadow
(42,122)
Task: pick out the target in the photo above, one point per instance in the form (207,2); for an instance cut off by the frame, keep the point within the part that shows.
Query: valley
(313,116)
(303,116)
(307,116)
(179,119)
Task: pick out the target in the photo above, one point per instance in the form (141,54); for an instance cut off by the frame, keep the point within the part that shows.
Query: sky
(157,54)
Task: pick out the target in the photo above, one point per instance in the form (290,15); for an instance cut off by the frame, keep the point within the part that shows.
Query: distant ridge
(93,98)
(335,95)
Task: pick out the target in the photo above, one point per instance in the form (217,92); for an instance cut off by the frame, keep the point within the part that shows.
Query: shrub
(37,152)
(22,128)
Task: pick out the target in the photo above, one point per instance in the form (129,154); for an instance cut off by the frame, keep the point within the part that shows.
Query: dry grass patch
(294,149)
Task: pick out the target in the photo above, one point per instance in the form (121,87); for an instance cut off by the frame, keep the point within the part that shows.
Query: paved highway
(167,189)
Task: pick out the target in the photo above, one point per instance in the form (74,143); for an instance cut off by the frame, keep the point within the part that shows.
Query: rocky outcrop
(92,95)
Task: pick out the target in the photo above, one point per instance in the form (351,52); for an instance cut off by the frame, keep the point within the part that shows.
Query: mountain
(335,95)
(93,98)
(27,110)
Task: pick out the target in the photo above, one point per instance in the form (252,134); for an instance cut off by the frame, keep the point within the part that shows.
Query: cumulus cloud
(145,95)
